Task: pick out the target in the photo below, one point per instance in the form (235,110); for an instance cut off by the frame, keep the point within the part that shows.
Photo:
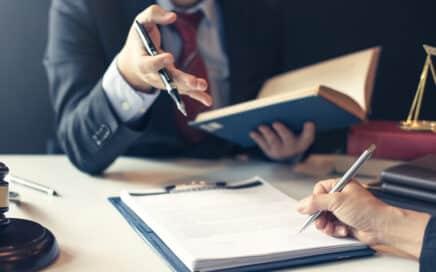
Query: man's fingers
(186,82)
(307,136)
(341,230)
(330,225)
(270,136)
(314,203)
(321,221)
(329,228)
(152,64)
(200,96)
(324,186)
(286,136)
(156,15)
(260,141)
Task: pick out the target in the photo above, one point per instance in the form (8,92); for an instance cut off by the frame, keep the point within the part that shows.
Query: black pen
(163,73)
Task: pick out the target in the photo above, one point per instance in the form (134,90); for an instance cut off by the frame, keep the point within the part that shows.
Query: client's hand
(279,143)
(356,212)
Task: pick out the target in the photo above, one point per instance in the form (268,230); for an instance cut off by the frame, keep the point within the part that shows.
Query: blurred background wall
(321,30)
(25,114)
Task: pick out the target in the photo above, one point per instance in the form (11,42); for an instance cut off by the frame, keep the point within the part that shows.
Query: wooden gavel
(24,244)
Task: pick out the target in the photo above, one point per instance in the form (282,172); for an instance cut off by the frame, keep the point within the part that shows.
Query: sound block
(26,246)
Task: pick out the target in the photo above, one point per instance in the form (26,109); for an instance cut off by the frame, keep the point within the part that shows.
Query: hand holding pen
(338,186)
(145,70)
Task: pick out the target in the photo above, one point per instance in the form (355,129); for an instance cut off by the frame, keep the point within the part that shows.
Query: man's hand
(141,70)
(356,212)
(279,143)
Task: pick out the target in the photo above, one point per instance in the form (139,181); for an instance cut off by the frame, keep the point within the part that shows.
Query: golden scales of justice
(413,123)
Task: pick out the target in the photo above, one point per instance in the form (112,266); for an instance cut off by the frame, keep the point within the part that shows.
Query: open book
(333,94)
(233,227)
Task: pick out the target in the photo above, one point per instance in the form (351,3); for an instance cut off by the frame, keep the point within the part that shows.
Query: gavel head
(4,190)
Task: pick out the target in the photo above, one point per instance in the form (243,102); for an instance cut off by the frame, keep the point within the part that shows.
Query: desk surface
(94,237)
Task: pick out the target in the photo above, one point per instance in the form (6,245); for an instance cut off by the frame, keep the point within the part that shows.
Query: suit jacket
(86,35)
(427,260)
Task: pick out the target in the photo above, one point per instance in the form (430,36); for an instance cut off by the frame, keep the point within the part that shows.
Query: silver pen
(163,73)
(31,185)
(346,178)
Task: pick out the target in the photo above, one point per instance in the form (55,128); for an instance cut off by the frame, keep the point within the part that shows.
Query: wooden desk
(94,237)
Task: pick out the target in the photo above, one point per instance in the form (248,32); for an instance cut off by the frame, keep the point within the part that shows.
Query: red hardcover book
(392,142)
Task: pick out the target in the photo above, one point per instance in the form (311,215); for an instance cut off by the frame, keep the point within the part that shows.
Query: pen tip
(372,148)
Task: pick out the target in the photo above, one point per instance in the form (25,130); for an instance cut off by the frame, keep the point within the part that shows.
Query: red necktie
(191,62)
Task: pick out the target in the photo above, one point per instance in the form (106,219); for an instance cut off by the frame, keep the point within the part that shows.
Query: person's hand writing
(356,212)
(141,70)
(279,143)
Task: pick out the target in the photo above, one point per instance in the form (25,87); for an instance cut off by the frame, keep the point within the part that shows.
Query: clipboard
(154,241)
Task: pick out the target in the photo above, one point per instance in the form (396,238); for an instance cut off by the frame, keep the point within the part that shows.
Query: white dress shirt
(130,105)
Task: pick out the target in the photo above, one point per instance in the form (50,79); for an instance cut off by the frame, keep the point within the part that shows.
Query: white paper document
(224,228)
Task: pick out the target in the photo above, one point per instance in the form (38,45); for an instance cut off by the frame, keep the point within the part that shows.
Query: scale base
(423,126)
(26,246)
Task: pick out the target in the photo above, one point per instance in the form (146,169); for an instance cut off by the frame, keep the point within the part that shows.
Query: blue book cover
(236,127)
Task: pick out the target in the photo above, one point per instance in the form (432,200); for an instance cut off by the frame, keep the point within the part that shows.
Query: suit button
(101,135)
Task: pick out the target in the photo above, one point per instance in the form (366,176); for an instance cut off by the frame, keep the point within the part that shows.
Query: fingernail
(341,231)
(167,61)
(301,205)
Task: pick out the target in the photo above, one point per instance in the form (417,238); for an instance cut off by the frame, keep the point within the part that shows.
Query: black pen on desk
(346,178)
(163,73)
(31,185)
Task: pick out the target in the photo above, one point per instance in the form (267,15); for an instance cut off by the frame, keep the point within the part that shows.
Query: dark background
(320,30)
(324,29)
(25,114)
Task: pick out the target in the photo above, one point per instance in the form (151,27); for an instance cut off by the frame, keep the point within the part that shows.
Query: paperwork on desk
(217,229)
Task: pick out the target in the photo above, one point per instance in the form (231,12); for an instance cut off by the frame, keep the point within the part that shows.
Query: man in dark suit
(105,89)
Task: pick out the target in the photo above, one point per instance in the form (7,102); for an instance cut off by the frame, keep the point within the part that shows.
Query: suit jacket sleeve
(88,129)
(428,253)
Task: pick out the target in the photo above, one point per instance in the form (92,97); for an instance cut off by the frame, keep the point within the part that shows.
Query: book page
(349,74)
(227,228)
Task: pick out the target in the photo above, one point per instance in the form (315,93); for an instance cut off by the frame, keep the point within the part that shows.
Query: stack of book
(415,179)
(410,185)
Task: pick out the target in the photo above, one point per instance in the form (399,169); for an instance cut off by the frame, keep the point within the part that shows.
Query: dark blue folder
(159,246)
